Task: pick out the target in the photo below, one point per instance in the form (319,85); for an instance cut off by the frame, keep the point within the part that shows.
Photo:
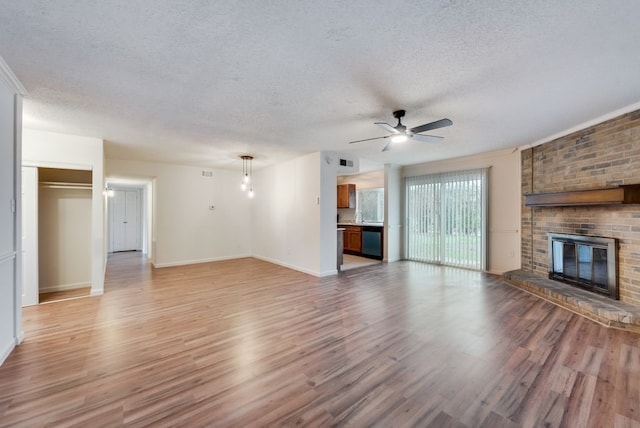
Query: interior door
(126,231)
(29,236)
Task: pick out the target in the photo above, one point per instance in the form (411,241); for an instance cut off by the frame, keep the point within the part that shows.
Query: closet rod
(64,185)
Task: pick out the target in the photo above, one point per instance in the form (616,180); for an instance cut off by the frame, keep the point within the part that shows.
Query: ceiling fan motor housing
(399,114)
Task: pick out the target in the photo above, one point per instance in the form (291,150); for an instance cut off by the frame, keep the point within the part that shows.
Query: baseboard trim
(194,262)
(6,350)
(63,287)
(298,268)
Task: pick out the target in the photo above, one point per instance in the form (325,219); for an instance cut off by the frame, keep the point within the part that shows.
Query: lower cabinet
(352,239)
(365,241)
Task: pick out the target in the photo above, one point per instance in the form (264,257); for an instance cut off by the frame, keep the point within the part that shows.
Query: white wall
(11,92)
(53,150)
(504,201)
(294,214)
(328,199)
(393,232)
(184,229)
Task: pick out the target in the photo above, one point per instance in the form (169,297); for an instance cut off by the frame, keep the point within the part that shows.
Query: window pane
(370,204)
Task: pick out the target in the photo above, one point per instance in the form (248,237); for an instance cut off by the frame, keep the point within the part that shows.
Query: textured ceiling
(202,82)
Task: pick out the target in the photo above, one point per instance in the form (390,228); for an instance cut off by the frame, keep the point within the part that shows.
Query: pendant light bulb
(247,171)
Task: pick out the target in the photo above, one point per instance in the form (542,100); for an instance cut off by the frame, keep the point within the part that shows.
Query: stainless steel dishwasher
(372,241)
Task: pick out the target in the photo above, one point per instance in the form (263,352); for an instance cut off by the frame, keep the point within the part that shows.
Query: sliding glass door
(446,218)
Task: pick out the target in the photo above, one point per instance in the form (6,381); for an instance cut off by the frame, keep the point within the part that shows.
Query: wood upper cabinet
(346,195)
(353,238)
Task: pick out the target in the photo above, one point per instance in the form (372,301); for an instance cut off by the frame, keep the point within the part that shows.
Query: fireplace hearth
(584,261)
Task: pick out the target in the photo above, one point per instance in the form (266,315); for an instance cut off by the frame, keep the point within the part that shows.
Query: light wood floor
(355,262)
(54,296)
(246,343)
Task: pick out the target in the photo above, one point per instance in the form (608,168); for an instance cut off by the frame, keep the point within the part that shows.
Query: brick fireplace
(603,156)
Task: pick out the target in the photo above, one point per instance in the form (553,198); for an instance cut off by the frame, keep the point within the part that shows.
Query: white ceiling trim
(584,125)
(10,79)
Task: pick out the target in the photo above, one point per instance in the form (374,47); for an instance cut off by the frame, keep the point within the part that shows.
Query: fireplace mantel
(624,194)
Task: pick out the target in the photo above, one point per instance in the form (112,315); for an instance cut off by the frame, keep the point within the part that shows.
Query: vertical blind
(446,218)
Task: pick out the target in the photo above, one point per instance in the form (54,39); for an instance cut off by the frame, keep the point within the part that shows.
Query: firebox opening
(584,261)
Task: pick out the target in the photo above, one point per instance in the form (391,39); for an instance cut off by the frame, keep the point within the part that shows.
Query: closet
(63,236)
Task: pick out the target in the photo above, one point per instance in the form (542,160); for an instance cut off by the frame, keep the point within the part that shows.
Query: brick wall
(605,155)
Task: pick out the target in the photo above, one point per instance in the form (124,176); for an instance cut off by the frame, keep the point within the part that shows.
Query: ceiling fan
(400,133)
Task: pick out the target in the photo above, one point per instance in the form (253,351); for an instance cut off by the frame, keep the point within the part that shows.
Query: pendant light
(247,172)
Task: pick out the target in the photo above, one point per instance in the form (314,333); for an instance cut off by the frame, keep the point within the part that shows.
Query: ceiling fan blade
(387,146)
(433,125)
(369,139)
(387,127)
(427,138)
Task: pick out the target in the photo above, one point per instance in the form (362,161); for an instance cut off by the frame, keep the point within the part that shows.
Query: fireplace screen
(586,261)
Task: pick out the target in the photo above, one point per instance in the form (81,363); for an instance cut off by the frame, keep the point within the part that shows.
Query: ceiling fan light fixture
(400,133)
(400,138)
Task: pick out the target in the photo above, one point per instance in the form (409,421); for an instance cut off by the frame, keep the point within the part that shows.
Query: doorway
(125,219)
(56,234)
(130,215)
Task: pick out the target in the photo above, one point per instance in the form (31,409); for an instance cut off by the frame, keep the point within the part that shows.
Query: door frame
(110,215)
(145,185)
(56,165)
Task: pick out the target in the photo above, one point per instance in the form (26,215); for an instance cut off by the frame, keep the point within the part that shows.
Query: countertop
(361,224)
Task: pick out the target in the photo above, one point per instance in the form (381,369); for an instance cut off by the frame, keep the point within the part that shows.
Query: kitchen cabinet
(352,239)
(346,195)
(365,240)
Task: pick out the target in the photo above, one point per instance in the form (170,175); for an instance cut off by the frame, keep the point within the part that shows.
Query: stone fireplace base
(605,311)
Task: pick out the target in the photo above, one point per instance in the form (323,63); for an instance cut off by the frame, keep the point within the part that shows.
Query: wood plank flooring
(246,343)
(54,296)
